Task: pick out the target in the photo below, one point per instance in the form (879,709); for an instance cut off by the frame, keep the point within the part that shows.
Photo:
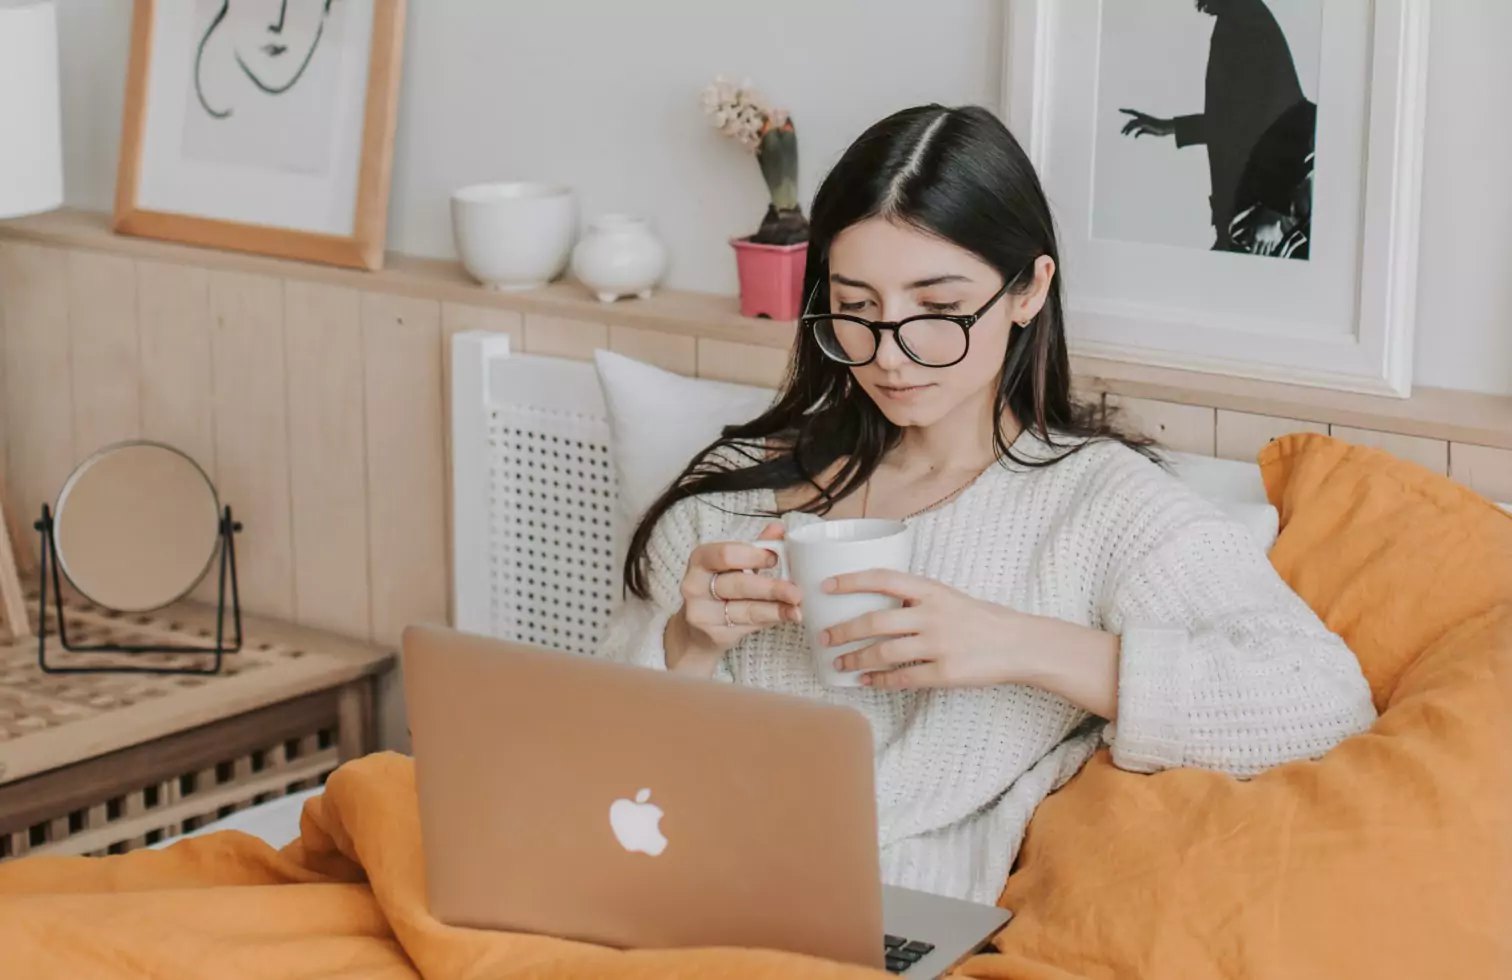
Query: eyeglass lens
(926,340)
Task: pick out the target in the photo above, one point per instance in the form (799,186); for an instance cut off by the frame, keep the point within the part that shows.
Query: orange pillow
(1389,857)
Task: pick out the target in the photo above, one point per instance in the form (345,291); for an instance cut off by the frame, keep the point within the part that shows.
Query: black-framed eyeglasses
(936,340)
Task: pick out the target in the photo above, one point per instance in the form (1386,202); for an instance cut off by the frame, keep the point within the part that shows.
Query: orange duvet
(229,906)
(1390,857)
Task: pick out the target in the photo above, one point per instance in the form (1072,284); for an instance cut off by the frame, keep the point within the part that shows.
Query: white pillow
(1234,486)
(659,419)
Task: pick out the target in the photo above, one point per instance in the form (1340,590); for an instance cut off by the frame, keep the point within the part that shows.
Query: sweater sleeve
(1223,666)
(637,626)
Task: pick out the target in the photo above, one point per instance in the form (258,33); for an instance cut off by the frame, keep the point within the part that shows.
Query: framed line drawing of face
(262,126)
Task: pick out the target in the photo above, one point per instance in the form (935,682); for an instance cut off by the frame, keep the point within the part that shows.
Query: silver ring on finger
(713,587)
(728,622)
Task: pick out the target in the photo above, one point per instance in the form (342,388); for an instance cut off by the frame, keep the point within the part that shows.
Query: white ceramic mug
(819,551)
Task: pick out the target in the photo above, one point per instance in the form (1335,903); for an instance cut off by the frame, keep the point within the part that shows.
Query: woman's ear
(1027,304)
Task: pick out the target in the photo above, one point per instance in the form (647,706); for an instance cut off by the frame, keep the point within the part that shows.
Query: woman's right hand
(707,626)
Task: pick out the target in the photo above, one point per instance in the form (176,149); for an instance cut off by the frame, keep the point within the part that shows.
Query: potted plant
(771,261)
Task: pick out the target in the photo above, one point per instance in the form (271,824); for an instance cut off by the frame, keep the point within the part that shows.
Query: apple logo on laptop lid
(637,824)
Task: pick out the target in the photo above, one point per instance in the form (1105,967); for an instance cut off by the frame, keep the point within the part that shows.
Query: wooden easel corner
(14,625)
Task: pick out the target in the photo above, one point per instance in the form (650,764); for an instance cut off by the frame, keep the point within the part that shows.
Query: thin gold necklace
(866,495)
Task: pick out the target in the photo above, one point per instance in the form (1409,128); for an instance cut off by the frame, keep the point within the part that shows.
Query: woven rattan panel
(551,528)
(32,701)
(52,720)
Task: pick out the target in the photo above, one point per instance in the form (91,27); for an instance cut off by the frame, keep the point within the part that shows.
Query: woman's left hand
(944,638)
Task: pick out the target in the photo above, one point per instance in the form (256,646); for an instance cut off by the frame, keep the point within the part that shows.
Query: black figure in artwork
(273,57)
(1259,131)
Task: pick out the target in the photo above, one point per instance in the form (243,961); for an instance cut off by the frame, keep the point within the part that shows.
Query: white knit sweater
(1222,665)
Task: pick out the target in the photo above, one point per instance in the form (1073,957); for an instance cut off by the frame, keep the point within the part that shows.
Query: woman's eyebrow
(935,281)
(916,284)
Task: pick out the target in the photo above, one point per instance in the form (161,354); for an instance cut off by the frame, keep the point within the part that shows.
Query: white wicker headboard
(537,543)
(534,529)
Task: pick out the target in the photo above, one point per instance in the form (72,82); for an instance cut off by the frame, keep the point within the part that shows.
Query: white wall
(603,95)
(1464,321)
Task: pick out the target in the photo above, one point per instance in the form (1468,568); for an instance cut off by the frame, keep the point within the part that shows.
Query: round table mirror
(137,526)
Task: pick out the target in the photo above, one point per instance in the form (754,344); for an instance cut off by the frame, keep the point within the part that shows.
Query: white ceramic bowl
(515,235)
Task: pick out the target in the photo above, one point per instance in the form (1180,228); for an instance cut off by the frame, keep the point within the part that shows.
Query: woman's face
(275,38)
(885,270)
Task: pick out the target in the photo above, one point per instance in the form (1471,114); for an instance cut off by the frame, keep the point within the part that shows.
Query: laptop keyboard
(904,953)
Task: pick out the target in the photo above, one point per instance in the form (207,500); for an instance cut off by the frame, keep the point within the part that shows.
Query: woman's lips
(903,393)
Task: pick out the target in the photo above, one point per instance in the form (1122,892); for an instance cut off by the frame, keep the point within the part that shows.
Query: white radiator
(534,530)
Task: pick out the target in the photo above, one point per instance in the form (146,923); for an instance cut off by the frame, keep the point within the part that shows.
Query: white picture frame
(1349,324)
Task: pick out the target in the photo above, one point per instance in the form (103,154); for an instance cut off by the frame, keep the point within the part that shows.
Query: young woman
(1064,588)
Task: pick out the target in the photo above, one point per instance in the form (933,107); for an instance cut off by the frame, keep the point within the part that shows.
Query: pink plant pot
(771,278)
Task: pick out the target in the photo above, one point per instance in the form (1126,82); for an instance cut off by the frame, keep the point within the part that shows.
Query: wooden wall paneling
(1241,435)
(327,456)
(12,525)
(1430,453)
(1485,470)
(5,491)
(105,349)
(748,364)
(1182,428)
(252,434)
(38,381)
(557,336)
(176,379)
(666,350)
(177,368)
(405,463)
(1437,413)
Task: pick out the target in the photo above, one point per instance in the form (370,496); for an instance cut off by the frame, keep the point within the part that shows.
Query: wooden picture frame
(361,245)
(14,625)
(1347,322)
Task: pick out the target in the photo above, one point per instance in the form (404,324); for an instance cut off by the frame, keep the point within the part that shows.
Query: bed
(1387,856)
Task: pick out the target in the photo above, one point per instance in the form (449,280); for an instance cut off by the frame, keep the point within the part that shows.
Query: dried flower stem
(743,114)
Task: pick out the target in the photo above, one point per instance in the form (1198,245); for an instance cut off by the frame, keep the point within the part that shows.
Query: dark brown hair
(954,173)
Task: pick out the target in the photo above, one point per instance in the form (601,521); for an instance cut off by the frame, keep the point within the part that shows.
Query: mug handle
(778,548)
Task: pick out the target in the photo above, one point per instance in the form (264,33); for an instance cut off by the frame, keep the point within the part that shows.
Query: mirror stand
(49,569)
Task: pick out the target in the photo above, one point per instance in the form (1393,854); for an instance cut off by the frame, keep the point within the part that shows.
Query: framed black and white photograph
(262,125)
(1236,181)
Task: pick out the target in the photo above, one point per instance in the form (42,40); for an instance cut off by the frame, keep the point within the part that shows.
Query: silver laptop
(575,797)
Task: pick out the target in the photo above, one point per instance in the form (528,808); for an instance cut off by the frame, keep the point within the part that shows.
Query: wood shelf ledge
(1447,414)
(667,311)
(1434,413)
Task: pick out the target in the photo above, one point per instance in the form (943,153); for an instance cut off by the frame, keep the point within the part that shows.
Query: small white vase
(619,256)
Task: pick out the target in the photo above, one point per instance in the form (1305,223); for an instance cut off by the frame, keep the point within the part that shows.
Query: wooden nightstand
(103,763)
